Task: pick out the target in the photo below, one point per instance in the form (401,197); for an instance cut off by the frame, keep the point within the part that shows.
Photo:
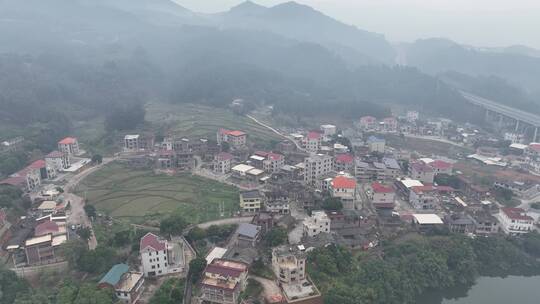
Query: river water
(488,290)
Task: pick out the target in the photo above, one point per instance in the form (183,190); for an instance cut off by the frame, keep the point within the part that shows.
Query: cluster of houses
(36,239)
(63,160)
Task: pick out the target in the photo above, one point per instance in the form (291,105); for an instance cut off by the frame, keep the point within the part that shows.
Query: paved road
(78,216)
(226,221)
(435,138)
(277,132)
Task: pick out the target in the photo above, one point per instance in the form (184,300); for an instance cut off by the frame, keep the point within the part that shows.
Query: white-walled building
(69,145)
(422,172)
(412,116)
(382,196)
(312,142)
(58,160)
(376,144)
(222,162)
(328,131)
(160,257)
(289,264)
(316,166)
(317,223)
(344,188)
(515,221)
(131,142)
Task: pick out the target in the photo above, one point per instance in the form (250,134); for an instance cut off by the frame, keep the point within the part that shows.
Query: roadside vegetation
(405,271)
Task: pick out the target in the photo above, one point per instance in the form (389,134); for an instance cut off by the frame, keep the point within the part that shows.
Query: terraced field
(140,195)
(200,121)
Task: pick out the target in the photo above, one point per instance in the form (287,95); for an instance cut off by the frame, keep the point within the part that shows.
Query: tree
(97,159)
(11,285)
(173,225)
(225,147)
(85,233)
(90,210)
(196,234)
(275,237)
(332,204)
(122,238)
(196,267)
(60,189)
(126,117)
(170,292)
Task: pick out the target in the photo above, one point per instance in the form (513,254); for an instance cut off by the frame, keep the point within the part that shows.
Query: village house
(422,172)
(344,188)
(441,167)
(289,264)
(160,256)
(412,116)
(376,144)
(222,162)
(247,235)
(58,160)
(316,166)
(223,281)
(69,145)
(382,196)
(273,162)
(368,123)
(515,221)
(423,197)
(460,223)
(344,163)
(317,223)
(312,142)
(165,159)
(390,124)
(328,131)
(425,222)
(131,142)
(127,285)
(485,223)
(12,145)
(235,138)
(251,201)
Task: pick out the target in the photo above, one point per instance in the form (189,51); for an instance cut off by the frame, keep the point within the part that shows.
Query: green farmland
(139,196)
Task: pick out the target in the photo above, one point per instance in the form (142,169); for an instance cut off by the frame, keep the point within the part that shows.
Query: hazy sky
(475,22)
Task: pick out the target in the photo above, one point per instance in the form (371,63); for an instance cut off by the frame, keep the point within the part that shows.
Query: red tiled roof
(261,153)
(55,154)
(441,165)
(421,167)
(344,182)
(379,188)
(445,189)
(225,156)
(274,156)
(420,189)
(38,164)
(344,158)
(231,132)
(535,147)
(46,227)
(223,271)
(151,240)
(368,119)
(390,119)
(68,141)
(314,135)
(16,181)
(516,214)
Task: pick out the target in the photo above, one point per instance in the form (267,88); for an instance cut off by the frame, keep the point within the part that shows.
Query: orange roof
(380,188)
(68,141)
(344,182)
(344,158)
(440,164)
(236,133)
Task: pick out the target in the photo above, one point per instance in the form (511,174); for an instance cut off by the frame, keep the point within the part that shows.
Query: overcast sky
(475,22)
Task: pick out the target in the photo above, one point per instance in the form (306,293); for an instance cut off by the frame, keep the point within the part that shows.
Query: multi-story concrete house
(422,172)
(316,166)
(273,162)
(376,144)
(441,167)
(251,201)
(312,142)
(131,142)
(69,145)
(58,160)
(368,123)
(222,162)
(223,281)
(328,131)
(423,197)
(165,159)
(390,124)
(344,188)
(382,196)
(344,163)
(160,257)
(289,264)
(235,138)
(515,221)
(317,223)
(127,285)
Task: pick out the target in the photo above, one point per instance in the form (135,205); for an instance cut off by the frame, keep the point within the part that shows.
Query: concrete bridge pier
(535,133)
